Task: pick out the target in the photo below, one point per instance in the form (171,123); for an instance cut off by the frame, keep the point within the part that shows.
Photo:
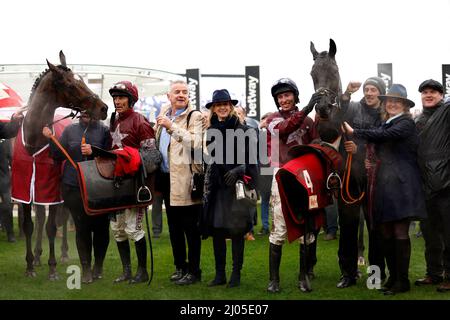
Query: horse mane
(39,78)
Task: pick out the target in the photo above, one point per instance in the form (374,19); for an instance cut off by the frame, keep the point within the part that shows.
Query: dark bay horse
(326,79)
(35,175)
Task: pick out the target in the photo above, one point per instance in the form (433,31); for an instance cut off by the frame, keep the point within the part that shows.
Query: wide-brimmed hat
(397,91)
(221,95)
(431,84)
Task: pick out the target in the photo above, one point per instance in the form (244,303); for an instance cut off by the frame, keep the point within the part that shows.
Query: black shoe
(235,280)
(141,276)
(188,279)
(177,275)
(346,282)
(217,281)
(398,287)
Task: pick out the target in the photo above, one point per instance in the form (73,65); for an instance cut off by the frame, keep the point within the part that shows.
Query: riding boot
(304,283)
(237,248)
(141,253)
(402,257)
(124,252)
(389,254)
(220,256)
(274,268)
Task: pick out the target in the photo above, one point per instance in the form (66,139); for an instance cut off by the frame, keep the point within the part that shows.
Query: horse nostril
(104,109)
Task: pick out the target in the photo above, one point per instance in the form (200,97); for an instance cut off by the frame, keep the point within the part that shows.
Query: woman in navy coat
(398,192)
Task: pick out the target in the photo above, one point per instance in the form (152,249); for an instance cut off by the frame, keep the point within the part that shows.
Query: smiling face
(178,95)
(222,109)
(431,97)
(395,106)
(286,100)
(371,94)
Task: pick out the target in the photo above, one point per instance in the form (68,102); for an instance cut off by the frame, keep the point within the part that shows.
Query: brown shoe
(444,287)
(428,280)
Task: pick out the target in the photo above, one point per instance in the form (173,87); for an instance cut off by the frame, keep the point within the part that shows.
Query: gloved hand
(233,175)
(315,98)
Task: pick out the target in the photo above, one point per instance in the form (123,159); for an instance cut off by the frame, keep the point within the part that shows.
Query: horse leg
(50,227)
(28,230)
(20,218)
(40,221)
(64,213)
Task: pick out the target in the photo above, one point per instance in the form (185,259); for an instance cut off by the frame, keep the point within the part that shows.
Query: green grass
(254,279)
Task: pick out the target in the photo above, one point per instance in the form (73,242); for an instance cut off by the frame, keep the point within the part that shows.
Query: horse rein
(345,192)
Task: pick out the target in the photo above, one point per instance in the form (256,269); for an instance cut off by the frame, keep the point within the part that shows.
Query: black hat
(432,84)
(397,91)
(378,83)
(221,95)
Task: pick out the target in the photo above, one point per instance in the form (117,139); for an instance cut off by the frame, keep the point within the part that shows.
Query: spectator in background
(6,207)
(265,179)
(433,153)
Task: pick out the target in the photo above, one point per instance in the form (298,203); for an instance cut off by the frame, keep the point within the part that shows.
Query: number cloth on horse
(36,178)
(302,186)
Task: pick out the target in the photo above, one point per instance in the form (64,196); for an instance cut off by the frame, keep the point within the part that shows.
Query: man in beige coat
(175,139)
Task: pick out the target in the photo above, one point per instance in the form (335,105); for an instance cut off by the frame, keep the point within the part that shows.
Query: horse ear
(313,50)
(333,49)
(62,58)
(51,66)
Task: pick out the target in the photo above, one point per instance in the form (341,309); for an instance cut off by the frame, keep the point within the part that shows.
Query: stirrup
(333,176)
(146,197)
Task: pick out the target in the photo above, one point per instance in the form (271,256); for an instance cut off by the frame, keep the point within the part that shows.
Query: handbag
(197,179)
(245,194)
(197,183)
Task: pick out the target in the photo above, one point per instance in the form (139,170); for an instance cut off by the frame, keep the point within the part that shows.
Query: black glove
(315,98)
(233,175)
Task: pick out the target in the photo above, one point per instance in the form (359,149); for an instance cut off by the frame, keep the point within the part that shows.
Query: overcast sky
(225,36)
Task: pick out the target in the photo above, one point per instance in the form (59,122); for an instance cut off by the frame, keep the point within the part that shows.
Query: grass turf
(14,285)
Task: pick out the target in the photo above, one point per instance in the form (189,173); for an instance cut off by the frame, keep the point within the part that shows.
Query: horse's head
(327,82)
(72,92)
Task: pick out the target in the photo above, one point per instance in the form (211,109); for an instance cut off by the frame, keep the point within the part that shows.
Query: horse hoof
(30,274)
(65,259)
(53,276)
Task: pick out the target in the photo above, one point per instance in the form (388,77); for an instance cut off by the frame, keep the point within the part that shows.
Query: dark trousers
(436,232)
(183,222)
(349,219)
(91,231)
(220,251)
(6,212)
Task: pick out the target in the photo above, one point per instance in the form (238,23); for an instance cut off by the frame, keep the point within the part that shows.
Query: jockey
(130,129)
(285,128)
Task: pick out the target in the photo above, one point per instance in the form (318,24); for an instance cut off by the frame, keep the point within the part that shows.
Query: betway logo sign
(447,85)
(252,99)
(192,84)
(386,78)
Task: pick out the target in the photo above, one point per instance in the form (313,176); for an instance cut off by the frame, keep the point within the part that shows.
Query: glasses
(119,86)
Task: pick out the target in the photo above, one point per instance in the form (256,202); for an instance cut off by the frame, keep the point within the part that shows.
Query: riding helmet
(125,88)
(284,85)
